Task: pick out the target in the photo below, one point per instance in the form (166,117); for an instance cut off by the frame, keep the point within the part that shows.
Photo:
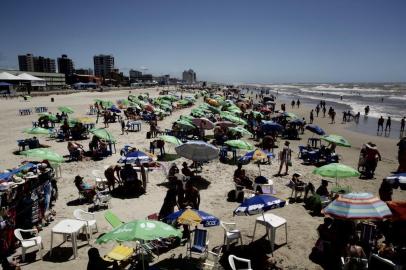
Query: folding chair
(200,243)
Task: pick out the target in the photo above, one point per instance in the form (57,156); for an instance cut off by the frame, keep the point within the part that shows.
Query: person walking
(317,110)
(293,104)
(333,117)
(402,124)
(285,158)
(298,103)
(311,117)
(324,111)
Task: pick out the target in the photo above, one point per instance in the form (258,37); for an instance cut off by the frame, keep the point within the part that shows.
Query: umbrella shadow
(179,263)
(257,251)
(200,182)
(123,193)
(169,157)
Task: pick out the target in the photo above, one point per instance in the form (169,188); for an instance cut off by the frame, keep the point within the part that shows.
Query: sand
(301,225)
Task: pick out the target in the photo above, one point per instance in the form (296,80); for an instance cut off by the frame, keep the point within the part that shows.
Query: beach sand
(302,233)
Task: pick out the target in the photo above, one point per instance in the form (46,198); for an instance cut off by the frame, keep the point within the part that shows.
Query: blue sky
(229,41)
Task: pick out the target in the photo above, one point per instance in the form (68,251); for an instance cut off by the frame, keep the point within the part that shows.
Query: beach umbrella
(144,230)
(85,120)
(213,102)
(103,134)
(225,124)
(337,139)
(269,126)
(170,139)
(234,119)
(37,131)
(239,144)
(296,121)
(66,109)
(136,157)
(149,107)
(184,102)
(256,155)
(50,117)
(289,115)
(197,151)
(114,109)
(166,107)
(315,129)
(396,180)
(198,113)
(212,108)
(256,114)
(258,204)
(43,153)
(240,130)
(188,118)
(192,217)
(398,209)
(184,124)
(357,206)
(336,170)
(203,123)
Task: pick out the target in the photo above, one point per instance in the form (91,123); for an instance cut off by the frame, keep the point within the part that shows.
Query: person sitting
(173,170)
(186,171)
(65,130)
(87,190)
(33,143)
(322,190)
(354,253)
(130,179)
(76,150)
(96,262)
(240,178)
(94,143)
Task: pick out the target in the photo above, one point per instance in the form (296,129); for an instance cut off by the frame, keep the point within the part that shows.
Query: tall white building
(103,65)
(189,76)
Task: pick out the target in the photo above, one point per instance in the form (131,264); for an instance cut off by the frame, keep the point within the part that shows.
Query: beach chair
(200,243)
(353,263)
(121,254)
(35,241)
(233,259)
(89,219)
(213,259)
(231,234)
(367,235)
(112,219)
(296,189)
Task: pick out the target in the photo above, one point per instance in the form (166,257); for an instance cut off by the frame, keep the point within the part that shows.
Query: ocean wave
(398,97)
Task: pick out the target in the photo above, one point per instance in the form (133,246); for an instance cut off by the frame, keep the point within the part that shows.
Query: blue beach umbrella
(315,129)
(206,219)
(135,156)
(396,180)
(258,204)
(114,109)
(269,126)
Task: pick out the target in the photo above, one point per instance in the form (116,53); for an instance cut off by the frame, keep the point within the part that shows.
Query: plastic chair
(200,243)
(88,218)
(35,241)
(232,259)
(213,259)
(231,234)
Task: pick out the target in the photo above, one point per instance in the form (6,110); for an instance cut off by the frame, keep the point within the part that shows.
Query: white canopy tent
(35,81)
(5,76)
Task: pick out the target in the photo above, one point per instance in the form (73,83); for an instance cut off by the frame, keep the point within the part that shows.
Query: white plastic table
(67,227)
(271,222)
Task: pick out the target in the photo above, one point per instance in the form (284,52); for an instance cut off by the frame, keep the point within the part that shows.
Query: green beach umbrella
(170,139)
(184,124)
(239,144)
(213,109)
(43,153)
(336,170)
(241,130)
(198,113)
(188,118)
(66,109)
(37,131)
(145,230)
(184,102)
(291,115)
(166,107)
(233,109)
(103,134)
(337,139)
(50,117)
(234,119)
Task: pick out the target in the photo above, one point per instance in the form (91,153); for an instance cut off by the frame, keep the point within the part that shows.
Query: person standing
(324,111)
(311,116)
(333,117)
(298,103)
(402,155)
(402,124)
(293,104)
(317,110)
(285,158)
(388,124)
(380,123)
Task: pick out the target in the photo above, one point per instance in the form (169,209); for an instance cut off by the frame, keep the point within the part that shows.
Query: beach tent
(5,76)
(35,81)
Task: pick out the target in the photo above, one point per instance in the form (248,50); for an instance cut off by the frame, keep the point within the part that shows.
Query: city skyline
(231,41)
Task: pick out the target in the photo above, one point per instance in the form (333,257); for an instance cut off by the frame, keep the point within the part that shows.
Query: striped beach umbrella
(358,206)
(193,217)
